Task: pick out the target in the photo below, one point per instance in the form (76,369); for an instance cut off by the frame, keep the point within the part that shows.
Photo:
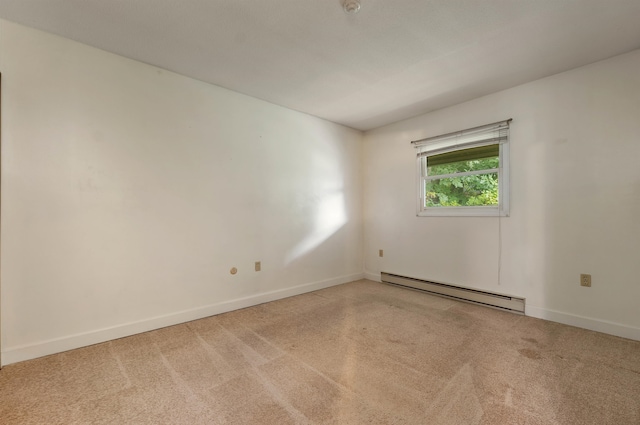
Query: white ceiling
(393,60)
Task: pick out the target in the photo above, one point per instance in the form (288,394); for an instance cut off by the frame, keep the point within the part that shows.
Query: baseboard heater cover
(489,299)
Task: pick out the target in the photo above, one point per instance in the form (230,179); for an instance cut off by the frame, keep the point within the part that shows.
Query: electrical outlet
(258,267)
(585,280)
(380,253)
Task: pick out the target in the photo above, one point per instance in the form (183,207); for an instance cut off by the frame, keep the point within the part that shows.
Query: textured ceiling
(393,60)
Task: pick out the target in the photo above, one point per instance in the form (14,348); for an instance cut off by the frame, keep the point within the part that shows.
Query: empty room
(320,212)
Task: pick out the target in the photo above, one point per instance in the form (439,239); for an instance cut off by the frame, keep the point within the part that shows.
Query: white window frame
(496,133)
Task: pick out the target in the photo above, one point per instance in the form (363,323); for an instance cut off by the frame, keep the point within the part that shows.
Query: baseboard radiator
(489,299)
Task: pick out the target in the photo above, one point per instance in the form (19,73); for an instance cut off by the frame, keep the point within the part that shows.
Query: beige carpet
(360,353)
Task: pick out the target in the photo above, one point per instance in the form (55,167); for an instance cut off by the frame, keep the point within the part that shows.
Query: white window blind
(477,136)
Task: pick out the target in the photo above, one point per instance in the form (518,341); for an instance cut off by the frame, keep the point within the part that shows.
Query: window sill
(463,212)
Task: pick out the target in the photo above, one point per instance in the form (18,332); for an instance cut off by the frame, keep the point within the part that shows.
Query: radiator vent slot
(489,299)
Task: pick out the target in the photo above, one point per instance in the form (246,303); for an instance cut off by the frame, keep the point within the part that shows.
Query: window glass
(471,178)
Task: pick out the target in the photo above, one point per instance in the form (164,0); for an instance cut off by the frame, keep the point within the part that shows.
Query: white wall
(575,199)
(129,192)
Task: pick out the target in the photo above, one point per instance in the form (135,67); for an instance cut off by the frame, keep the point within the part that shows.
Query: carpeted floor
(360,353)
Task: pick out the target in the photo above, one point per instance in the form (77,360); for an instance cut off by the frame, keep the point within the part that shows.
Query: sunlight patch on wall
(326,190)
(330,217)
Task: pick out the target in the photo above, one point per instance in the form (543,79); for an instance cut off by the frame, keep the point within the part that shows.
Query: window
(465,173)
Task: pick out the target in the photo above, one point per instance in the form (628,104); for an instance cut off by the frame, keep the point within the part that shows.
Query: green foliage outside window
(470,190)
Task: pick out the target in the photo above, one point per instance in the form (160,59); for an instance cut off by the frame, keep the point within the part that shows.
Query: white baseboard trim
(372,276)
(58,345)
(603,326)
